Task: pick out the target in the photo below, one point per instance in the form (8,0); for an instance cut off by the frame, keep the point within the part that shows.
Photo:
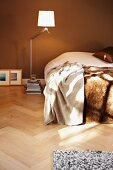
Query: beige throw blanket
(64,95)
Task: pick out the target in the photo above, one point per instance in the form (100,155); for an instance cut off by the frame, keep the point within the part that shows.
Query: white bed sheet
(85,58)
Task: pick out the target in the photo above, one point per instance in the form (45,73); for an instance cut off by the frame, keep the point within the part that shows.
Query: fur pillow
(105,54)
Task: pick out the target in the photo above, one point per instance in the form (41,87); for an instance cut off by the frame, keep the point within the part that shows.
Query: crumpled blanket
(64,95)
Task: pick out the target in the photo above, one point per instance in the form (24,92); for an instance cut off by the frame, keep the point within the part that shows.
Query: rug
(82,160)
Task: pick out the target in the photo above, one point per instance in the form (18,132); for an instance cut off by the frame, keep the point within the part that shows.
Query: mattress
(85,58)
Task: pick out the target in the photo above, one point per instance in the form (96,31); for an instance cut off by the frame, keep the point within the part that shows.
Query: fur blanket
(98,94)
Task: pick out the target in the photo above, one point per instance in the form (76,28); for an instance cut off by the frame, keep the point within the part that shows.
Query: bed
(79,89)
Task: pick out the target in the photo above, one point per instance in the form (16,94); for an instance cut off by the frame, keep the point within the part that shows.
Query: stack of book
(33,87)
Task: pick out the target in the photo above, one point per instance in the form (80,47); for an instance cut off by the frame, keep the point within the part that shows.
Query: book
(33,87)
(34,81)
(33,92)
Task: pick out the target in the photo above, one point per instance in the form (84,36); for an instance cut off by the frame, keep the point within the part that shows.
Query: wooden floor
(27,144)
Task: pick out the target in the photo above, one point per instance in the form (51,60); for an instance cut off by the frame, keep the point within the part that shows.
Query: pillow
(105,54)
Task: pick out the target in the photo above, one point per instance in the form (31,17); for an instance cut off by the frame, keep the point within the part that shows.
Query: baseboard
(24,81)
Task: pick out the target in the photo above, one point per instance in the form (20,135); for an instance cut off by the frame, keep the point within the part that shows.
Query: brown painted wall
(81,25)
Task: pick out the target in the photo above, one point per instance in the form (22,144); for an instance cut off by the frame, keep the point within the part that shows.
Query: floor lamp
(45,19)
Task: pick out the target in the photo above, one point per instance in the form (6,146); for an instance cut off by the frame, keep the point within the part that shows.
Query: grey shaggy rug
(82,160)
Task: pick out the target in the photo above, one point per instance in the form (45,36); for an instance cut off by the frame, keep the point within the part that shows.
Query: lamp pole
(30,57)
(31,48)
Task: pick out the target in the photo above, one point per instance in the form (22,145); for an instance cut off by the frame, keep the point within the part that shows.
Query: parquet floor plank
(26,143)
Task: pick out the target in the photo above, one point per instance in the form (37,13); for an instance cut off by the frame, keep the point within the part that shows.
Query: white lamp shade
(46,19)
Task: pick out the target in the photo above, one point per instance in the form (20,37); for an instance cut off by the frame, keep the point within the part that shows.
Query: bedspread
(64,95)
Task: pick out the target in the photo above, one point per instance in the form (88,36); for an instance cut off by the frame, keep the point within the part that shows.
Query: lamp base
(33,78)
